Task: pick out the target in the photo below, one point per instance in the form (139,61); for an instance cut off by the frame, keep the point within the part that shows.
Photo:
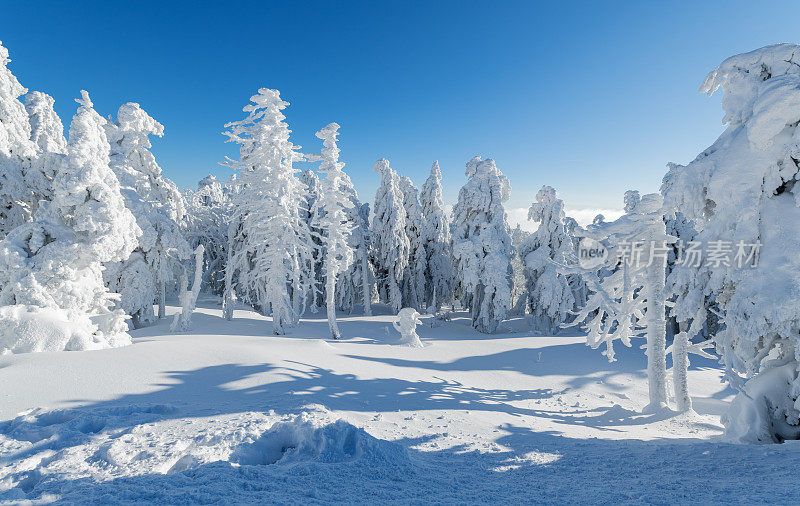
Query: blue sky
(592,98)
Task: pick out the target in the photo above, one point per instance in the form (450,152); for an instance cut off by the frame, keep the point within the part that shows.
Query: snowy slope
(230,414)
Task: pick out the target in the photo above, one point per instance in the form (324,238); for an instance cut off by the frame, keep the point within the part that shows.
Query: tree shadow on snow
(526,467)
(585,364)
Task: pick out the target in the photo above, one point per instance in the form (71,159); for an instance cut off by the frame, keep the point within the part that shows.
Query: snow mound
(764,411)
(80,455)
(308,438)
(26,329)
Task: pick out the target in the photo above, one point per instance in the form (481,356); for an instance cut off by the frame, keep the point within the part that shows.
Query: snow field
(228,413)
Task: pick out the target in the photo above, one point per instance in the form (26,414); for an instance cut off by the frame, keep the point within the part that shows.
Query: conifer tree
(157,206)
(206,224)
(392,249)
(550,297)
(269,243)
(51,285)
(47,134)
(742,198)
(436,242)
(331,219)
(16,150)
(482,245)
(413,287)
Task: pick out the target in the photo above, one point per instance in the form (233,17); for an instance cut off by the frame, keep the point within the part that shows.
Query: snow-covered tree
(357,283)
(413,287)
(580,293)
(392,249)
(550,297)
(330,217)
(436,242)
(632,296)
(519,290)
(269,243)
(482,245)
(188,298)
(206,224)
(16,150)
(47,133)
(157,206)
(51,285)
(742,197)
(311,191)
(406,323)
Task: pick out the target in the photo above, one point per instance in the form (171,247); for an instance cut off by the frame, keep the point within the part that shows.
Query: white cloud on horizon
(519,216)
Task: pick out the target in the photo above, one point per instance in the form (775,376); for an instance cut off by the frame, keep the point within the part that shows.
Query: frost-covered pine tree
(436,242)
(157,206)
(357,283)
(580,292)
(364,273)
(206,224)
(312,191)
(550,297)
(47,134)
(16,150)
(632,294)
(331,219)
(413,287)
(269,243)
(392,249)
(519,290)
(482,245)
(52,291)
(688,336)
(742,197)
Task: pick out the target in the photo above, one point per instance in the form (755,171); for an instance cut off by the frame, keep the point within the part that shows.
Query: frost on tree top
(131,117)
(4,58)
(267,99)
(772,60)
(742,75)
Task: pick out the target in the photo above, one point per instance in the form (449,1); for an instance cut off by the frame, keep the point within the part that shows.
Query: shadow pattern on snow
(539,467)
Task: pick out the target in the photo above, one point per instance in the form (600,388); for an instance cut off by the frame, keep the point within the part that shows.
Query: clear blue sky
(590,97)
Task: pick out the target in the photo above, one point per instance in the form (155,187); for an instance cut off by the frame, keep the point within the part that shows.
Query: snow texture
(230,414)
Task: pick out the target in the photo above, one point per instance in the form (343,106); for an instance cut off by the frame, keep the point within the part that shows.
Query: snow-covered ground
(228,413)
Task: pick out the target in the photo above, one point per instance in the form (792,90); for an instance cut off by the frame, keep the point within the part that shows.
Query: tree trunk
(680,368)
(227,298)
(296,289)
(188,298)
(366,287)
(330,303)
(162,299)
(656,336)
